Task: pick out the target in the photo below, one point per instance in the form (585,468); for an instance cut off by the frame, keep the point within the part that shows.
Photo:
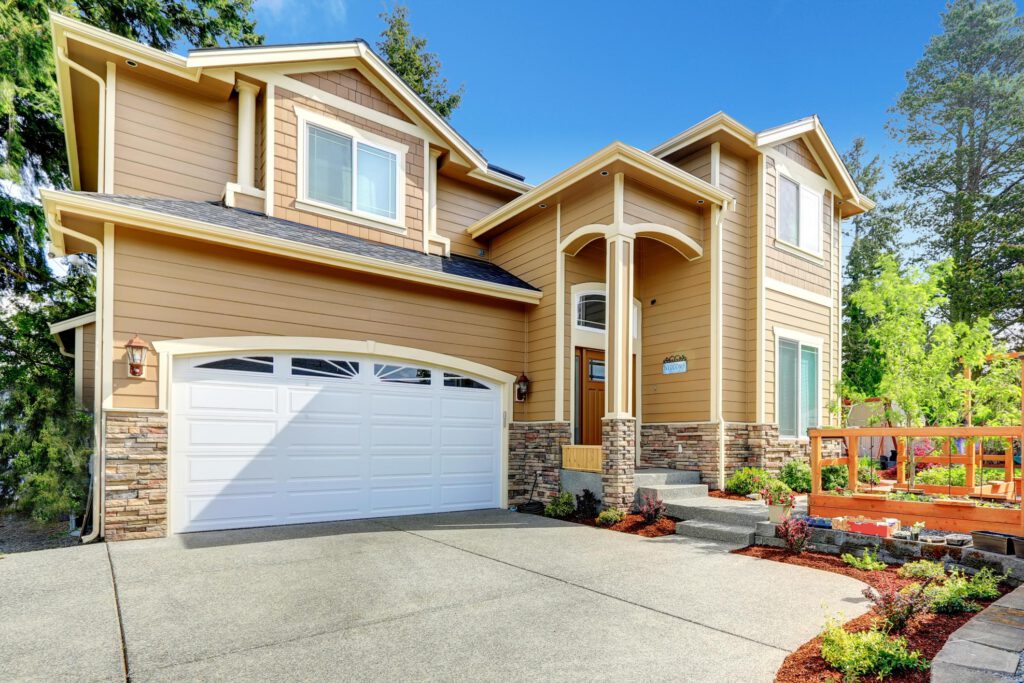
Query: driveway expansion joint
(120,620)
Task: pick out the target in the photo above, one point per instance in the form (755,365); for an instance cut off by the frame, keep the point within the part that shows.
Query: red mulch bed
(728,496)
(927,634)
(635,524)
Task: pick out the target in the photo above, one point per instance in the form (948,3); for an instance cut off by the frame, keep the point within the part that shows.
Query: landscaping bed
(20,534)
(926,633)
(635,524)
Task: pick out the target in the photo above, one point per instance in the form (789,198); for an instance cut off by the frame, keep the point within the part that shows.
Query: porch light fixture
(131,63)
(543,206)
(137,349)
(522,388)
(604,172)
(700,201)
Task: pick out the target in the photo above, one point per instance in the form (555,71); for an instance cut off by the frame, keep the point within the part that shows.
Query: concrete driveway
(486,595)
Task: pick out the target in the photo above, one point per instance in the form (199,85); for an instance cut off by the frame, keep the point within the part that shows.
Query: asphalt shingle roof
(260,224)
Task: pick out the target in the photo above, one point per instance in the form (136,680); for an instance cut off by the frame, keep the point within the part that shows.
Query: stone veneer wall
(535,447)
(618,438)
(135,475)
(746,445)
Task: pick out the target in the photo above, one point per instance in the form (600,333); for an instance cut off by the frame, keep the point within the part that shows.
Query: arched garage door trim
(169,350)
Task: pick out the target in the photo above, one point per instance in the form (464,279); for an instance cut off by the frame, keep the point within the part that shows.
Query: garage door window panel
(325,367)
(458,381)
(263,364)
(401,374)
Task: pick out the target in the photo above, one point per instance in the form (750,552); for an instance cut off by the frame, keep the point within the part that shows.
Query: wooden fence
(950,514)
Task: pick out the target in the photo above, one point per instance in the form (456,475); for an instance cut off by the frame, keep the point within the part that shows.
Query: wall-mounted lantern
(522,387)
(137,349)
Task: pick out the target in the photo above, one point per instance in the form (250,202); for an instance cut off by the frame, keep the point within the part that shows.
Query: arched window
(590,310)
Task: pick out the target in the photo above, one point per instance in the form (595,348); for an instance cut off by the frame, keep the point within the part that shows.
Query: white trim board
(797,292)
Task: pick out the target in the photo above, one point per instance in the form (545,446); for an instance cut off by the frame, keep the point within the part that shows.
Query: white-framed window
(799,215)
(349,171)
(591,312)
(798,383)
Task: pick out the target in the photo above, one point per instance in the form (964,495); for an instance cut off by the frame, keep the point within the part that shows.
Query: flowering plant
(777,496)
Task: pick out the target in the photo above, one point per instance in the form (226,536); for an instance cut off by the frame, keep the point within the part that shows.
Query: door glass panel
(808,389)
(786,376)
(590,311)
(595,370)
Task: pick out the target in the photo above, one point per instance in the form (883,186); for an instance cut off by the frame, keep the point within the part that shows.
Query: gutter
(102,114)
(96,461)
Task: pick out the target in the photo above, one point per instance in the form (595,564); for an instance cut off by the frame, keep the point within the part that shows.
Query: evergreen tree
(421,70)
(961,118)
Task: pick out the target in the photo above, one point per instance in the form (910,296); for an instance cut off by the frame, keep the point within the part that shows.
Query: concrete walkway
(465,596)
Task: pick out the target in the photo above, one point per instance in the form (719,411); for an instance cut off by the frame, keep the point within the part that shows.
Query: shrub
(958,593)
(610,517)
(777,493)
(747,480)
(923,569)
(942,476)
(898,607)
(561,507)
(868,561)
(985,585)
(587,504)
(796,475)
(867,653)
(834,477)
(651,508)
(794,532)
(867,471)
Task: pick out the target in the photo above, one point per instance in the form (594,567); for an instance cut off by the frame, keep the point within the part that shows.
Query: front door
(592,395)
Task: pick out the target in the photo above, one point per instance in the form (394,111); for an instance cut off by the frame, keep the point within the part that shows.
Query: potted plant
(915,530)
(779,500)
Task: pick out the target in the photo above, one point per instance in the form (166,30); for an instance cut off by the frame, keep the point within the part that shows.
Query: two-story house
(348,312)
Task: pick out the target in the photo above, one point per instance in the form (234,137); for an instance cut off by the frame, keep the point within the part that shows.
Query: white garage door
(291,438)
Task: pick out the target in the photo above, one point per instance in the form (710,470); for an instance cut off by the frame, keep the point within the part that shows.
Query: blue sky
(548,83)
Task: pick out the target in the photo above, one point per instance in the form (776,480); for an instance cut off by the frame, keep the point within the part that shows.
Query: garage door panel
(232,398)
(482,409)
(466,495)
(326,504)
(394,404)
(324,466)
(400,435)
(231,469)
(326,402)
(234,433)
(399,500)
(262,448)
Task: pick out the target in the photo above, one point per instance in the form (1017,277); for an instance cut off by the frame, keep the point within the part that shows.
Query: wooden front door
(591,367)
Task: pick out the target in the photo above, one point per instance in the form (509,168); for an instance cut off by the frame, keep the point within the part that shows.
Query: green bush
(867,653)
(796,475)
(834,477)
(942,476)
(959,593)
(923,569)
(778,490)
(610,517)
(867,471)
(561,507)
(868,561)
(747,480)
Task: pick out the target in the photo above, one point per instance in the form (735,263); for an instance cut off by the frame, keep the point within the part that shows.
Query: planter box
(955,503)
(993,542)
(868,496)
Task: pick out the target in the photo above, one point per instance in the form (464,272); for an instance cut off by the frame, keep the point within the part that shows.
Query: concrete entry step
(672,492)
(661,476)
(719,510)
(738,534)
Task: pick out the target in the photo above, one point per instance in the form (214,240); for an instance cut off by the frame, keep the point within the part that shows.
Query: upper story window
(344,169)
(591,312)
(799,218)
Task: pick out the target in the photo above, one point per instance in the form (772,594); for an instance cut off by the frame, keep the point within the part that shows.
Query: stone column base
(618,439)
(135,475)
(535,451)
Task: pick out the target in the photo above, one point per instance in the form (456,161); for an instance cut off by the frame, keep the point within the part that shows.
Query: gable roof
(688,185)
(720,125)
(219,63)
(252,230)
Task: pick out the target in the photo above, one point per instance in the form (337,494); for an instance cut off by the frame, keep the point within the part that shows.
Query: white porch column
(246,133)
(618,327)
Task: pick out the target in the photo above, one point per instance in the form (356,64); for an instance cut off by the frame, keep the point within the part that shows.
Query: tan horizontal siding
(169,143)
(88,352)
(167,288)
(459,205)
(641,204)
(286,173)
(783,264)
(738,267)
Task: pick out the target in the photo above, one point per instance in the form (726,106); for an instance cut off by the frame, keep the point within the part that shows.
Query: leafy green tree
(921,357)
(870,235)
(961,120)
(44,438)
(421,70)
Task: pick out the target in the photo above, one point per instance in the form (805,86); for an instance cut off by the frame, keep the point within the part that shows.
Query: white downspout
(97,460)
(102,118)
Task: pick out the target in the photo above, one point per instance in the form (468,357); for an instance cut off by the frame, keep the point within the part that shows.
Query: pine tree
(421,70)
